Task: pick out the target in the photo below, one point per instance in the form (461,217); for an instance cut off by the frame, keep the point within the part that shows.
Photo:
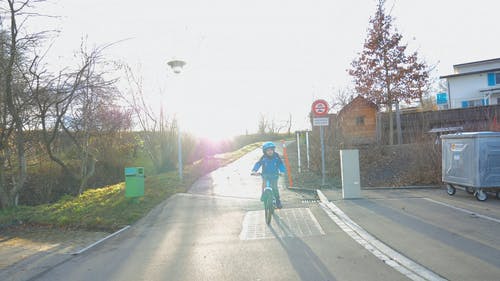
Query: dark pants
(273,182)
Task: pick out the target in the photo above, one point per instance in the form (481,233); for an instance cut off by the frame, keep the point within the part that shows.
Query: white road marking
(389,256)
(463,210)
(102,240)
(315,221)
(288,222)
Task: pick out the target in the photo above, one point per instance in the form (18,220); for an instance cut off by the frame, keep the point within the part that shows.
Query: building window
(473,103)
(443,106)
(493,78)
(360,121)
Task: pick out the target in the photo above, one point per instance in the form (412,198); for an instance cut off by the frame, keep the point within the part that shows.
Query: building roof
(476,62)
(469,73)
(359,98)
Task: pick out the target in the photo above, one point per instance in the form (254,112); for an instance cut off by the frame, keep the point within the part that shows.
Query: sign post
(307,148)
(320,118)
(287,164)
(298,149)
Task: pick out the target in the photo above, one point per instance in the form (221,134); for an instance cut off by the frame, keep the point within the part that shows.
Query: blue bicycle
(269,200)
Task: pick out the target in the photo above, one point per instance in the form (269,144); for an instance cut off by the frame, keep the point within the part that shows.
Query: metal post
(177,66)
(321,131)
(307,150)
(398,123)
(179,160)
(298,149)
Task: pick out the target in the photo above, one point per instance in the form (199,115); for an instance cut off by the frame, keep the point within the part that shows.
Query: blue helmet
(268,145)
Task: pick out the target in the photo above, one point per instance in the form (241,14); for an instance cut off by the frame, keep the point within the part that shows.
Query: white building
(473,84)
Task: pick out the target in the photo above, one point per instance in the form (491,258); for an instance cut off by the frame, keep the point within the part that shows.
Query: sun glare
(214,134)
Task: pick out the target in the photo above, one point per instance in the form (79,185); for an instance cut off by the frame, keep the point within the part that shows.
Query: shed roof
(358,99)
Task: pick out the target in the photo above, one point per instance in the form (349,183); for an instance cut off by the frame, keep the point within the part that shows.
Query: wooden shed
(357,121)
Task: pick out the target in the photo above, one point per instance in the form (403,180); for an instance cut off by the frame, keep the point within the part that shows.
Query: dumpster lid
(130,171)
(485,134)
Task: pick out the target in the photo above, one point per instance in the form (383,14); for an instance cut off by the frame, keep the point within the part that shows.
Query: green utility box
(134,182)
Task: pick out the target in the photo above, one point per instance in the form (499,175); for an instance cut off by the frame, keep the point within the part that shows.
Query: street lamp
(177,66)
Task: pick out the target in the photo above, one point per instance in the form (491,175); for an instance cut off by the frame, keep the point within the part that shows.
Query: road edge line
(100,241)
(462,210)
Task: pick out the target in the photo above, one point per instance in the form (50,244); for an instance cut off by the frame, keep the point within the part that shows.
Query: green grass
(107,208)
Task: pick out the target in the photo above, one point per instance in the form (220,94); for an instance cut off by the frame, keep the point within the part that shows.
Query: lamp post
(177,66)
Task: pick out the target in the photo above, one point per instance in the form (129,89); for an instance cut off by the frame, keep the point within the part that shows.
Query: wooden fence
(422,126)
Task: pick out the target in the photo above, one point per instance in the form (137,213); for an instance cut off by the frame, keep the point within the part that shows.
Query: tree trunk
(14,109)
(21,158)
(83,174)
(5,200)
(89,173)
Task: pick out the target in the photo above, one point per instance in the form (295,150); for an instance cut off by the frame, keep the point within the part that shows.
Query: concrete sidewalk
(31,250)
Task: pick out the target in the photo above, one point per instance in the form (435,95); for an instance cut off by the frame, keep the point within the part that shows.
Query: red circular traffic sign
(320,107)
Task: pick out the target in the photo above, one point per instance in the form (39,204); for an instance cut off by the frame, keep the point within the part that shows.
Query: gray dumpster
(471,160)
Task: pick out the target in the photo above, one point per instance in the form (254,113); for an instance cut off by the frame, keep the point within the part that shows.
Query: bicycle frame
(269,200)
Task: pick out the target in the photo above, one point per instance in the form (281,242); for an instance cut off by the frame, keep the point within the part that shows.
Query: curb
(322,197)
(403,187)
(299,189)
(100,241)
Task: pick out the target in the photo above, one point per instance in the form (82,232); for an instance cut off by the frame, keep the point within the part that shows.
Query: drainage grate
(310,201)
(295,222)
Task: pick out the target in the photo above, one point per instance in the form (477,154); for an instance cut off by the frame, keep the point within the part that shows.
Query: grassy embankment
(107,208)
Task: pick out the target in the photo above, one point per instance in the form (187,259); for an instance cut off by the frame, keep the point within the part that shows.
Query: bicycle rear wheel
(269,208)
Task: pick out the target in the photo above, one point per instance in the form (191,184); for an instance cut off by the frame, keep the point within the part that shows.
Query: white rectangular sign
(320,121)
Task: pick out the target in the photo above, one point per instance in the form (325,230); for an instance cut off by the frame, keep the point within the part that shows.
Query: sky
(261,57)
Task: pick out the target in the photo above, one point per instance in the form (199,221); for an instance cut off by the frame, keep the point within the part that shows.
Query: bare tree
(96,92)
(159,133)
(273,126)
(279,126)
(15,101)
(341,98)
(263,124)
(68,105)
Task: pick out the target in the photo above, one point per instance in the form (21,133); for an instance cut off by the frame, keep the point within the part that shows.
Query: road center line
(462,210)
(404,265)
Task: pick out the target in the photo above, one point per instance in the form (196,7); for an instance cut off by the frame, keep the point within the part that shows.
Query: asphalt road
(454,236)
(217,232)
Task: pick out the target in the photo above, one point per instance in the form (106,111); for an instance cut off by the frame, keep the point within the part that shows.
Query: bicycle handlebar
(260,174)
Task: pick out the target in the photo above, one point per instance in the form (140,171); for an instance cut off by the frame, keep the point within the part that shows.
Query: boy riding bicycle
(272,166)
